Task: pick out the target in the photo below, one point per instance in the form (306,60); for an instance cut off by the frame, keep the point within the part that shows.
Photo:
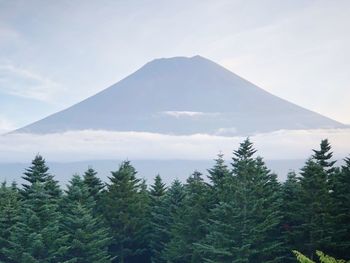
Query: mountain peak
(183,95)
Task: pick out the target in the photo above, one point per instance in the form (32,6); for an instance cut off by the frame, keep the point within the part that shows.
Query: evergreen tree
(158,189)
(36,236)
(9,210)
(244,226)
(219,175)
(36,173)
(189,227)
(123,211)
(340,195)
(93,183)
(315,202)
(157,235)
(291,218)
(324,155)
(87,238)
(163,219)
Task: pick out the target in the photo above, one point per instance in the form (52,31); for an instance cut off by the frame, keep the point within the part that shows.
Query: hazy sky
(56,53)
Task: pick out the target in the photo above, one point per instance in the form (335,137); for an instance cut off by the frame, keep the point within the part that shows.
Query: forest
(237,212)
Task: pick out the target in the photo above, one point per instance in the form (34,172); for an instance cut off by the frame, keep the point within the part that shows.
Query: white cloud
(28,84)
(179,114)
(94,145)
(6,125)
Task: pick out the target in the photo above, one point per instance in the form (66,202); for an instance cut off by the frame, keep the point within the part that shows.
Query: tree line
(240,213)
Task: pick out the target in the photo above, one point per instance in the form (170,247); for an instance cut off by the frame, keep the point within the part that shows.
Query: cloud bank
(99,145)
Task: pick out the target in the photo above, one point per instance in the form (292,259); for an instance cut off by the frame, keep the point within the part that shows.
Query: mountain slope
(183,96)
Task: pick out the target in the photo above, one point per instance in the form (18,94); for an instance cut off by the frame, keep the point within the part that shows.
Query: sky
(56,53)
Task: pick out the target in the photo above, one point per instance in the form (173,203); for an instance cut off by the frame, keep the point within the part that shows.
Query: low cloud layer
(95,145)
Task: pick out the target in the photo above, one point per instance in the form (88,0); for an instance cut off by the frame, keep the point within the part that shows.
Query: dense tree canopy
(237,212)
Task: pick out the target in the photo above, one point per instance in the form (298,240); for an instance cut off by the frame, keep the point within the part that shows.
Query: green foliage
(87,239)
(124,211)
(322,257)
(243,214)
(244,224)
(188,226)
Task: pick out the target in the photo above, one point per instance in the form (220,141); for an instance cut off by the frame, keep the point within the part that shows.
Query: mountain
(181,96)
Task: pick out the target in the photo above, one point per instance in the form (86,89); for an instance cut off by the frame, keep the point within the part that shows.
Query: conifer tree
(9,211)
(219,175)
(189,227)
(340,195)
(157,235)
(87,238)
(315,201)
(36,173)
(163,219)
(122,205)
(36,236)
(291,219)
(324,155)
(244,226)
(93,183)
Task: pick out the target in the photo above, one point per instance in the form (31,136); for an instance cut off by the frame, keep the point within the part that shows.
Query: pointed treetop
(158,188)
(219,170)
(38,171)
(324,155)
(245,150)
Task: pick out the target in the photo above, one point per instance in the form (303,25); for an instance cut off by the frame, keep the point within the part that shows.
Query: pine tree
(340,195)
(324,155)
(9,211)
(36,236)
(244,225)
(87,238)
(37,173)
(163,219)
(189,227)
(315,202)
(157,234)
(93,183)
(123,206)
(158,189)
(291,218)
(219,175)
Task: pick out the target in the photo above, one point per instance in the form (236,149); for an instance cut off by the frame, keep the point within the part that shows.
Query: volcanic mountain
(183,96)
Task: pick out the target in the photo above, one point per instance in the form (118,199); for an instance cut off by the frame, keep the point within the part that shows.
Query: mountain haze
(183,96)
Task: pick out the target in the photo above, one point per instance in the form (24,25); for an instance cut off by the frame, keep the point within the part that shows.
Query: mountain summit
(180,96)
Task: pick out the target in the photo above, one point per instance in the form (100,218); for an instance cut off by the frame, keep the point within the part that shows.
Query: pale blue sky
(56,53)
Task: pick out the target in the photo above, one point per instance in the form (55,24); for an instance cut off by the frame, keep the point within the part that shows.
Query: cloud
(6,125)
(179,114)
(95,145)
(28,84)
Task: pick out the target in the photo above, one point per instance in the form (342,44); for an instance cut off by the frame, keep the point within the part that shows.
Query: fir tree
(36,173)
(9,211)
(291,219)
(163,219)
(324,155)
(244,225)
(189,227)
(93,183)
(340,195)
(315,201)
(158,235)
(219,175)
(36,236)
(123,212)
(87,238)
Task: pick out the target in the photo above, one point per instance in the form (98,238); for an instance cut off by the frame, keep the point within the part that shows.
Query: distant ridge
(183,96)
